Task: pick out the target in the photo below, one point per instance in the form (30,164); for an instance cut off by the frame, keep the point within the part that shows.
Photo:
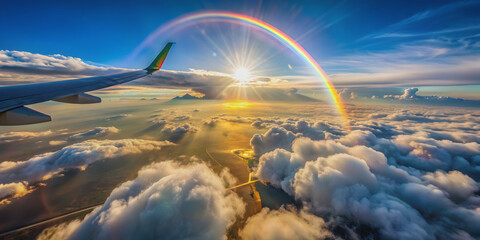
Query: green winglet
(157,63)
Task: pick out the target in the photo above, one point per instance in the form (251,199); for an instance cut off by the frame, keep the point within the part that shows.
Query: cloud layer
(20,136)
(31,63)
(96,132)
(410,96)
(76,156)
(166,200)
(284,224)
(401,181)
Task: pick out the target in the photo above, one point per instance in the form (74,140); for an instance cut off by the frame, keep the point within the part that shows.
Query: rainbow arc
(271,30)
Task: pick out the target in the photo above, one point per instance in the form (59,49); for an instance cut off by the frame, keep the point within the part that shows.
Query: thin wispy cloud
(396,29)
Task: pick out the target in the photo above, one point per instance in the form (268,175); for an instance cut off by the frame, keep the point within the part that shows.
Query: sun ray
(269,29)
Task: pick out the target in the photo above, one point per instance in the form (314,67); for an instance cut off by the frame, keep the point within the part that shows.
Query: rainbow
(279,35)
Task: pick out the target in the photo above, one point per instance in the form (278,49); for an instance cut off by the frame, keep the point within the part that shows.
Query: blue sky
(348,38)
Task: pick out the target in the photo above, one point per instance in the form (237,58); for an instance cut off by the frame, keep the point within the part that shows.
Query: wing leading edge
(14,98)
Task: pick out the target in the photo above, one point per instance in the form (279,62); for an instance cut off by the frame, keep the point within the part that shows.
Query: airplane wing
(14,98)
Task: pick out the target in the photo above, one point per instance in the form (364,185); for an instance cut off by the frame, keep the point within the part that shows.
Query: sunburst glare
(242,75)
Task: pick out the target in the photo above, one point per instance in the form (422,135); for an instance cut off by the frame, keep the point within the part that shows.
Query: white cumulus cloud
(166,201)
(285,224)
(403,178)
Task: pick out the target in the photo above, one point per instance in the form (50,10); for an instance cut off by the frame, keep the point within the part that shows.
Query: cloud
(26,67)
(55,143)
(266,122)
(212,122)
(76,156)
(171,132)
(453,136)
(413,52)
(30,63)
(307,129)
(285,132)
(412,116)
(340,183)
(20,136)
(275,137)
(117,117)
(391,69)
(414,183)
(181,118)
(13,190)
(159,122)
(176,133)
(409,116)
(377,115)
(209,83)
(458,185)
(166,200)
(410,96)
(439,56)
(96,132)
(348,94)
(284,224)
(409,93)
(419,19)
(232,119)
(432,154)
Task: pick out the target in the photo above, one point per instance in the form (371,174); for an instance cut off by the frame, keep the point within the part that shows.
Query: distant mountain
(265,94)
(187,97)
(254,94)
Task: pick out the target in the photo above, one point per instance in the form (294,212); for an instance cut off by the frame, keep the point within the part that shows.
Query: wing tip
(158,61)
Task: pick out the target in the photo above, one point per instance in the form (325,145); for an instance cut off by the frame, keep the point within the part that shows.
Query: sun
(242,75)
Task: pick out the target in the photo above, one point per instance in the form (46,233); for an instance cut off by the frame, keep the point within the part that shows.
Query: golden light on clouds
(238,104)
